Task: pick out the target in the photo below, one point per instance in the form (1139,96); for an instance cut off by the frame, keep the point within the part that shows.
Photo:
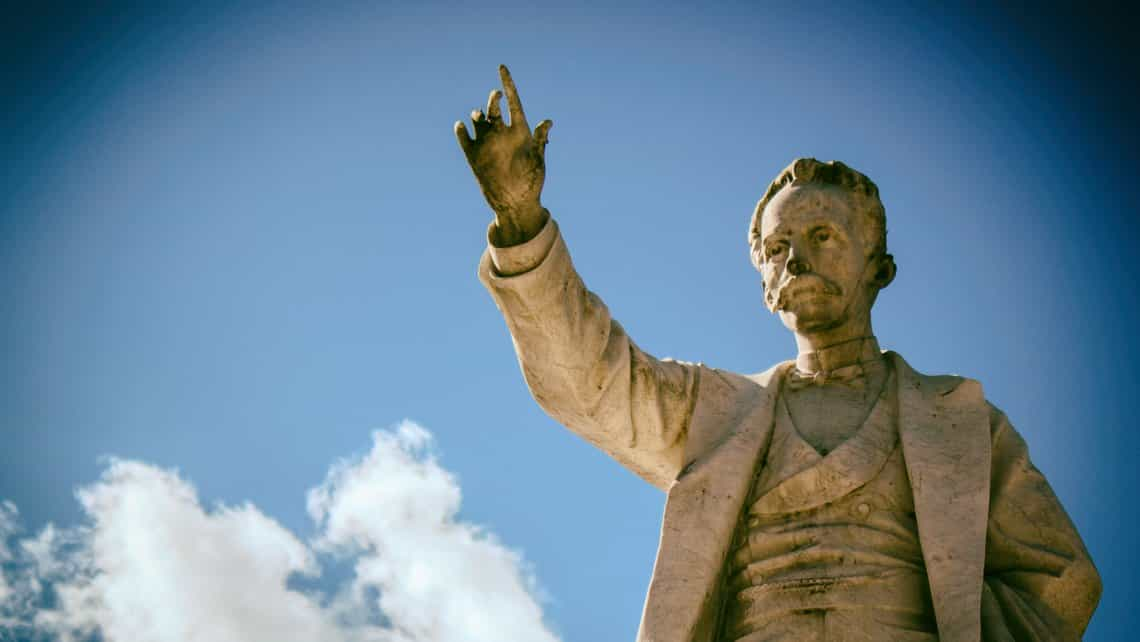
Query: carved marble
(838,496)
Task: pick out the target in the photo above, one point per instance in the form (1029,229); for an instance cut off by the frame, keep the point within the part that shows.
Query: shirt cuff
(516,259)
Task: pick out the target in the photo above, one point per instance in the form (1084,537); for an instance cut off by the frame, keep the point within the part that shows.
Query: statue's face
(816,272)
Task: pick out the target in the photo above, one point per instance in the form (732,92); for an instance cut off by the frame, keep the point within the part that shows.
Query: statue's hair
(864,194)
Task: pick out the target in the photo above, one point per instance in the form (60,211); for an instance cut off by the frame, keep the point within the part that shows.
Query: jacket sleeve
(583,369)
(1040,583)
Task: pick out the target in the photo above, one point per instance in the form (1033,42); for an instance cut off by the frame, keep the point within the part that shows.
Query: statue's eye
(822,236)
(775,250)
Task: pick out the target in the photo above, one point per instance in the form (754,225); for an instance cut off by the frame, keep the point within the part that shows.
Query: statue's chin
(809,317)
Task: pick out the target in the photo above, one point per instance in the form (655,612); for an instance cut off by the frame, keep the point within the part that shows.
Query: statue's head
(819,237)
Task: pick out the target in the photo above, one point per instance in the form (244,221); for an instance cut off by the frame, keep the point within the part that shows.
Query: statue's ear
(884,271)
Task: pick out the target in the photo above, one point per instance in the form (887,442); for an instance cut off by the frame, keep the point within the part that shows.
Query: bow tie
(851,376)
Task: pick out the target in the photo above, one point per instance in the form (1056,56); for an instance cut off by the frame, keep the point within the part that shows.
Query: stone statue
(839,496)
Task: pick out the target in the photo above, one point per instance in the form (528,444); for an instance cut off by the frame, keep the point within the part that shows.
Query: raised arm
(578,362)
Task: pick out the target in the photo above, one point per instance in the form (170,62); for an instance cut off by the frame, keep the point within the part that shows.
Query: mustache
(778,297)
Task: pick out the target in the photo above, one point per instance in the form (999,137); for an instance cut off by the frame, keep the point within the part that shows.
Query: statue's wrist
(518,226)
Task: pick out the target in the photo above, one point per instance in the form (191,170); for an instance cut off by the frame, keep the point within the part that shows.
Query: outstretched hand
(509,163)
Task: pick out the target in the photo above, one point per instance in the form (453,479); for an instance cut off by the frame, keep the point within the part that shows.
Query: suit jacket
(1003,559)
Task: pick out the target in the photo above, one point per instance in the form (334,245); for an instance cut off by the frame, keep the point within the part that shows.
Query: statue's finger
(494,105)
(513,102)
(479,120)
(465,141)
(542,133)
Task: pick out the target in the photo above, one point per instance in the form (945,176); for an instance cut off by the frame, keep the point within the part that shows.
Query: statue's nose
(796,265)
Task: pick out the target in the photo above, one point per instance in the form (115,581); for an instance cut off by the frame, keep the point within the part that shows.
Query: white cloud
(150,564)
(438,578)
(8,527)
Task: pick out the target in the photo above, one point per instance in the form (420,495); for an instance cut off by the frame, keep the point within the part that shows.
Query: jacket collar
(729,432)
(945,434)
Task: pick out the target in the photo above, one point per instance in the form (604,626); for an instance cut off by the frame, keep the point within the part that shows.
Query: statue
(839,496)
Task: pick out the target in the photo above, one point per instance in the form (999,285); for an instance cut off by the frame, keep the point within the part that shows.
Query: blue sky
(233,243)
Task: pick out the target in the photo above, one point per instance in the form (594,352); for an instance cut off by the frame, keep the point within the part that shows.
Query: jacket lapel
(945,433)
(704,504)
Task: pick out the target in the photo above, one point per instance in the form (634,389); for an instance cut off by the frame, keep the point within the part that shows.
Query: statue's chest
(796,475)
(826,416)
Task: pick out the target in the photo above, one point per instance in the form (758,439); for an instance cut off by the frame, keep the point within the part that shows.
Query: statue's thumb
(542,133)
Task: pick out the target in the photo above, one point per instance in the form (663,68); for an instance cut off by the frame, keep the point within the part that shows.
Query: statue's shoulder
(723,388)
(935,385)
(945,391)
(769,377)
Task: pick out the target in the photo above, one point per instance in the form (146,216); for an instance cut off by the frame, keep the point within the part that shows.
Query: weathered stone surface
(839,496)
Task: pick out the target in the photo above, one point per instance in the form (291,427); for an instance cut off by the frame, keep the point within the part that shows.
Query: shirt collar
(861,350)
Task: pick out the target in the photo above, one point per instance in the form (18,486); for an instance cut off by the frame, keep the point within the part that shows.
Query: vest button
(863,509)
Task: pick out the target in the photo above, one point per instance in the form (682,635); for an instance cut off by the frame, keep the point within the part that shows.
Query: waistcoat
(827,547)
